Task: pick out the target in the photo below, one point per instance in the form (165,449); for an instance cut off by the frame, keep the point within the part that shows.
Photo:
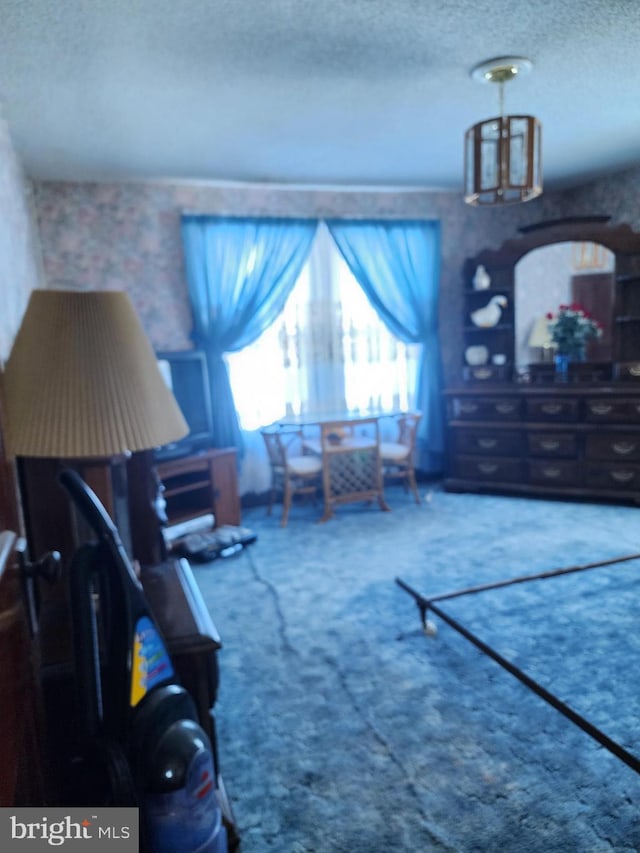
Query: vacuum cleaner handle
(85,499)
(98,520)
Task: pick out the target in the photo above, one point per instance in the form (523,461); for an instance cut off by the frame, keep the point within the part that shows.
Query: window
(328,351)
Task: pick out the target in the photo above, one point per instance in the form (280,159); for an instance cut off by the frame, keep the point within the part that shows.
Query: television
(185,372)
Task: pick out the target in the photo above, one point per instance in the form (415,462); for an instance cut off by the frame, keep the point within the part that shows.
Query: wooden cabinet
(578,441)
(23,780)
(528,433)
(205,482)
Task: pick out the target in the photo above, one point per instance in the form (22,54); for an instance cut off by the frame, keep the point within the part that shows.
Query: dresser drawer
(549,444)
(613,445)
(486,408)
(613,476)
(552,408)
(617,410)
(492,443)
(492,468)
(554,472)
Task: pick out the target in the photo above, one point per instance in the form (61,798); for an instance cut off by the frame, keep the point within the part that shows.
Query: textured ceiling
(339,92)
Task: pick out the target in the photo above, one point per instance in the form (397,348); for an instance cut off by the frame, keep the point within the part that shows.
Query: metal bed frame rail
(426,604)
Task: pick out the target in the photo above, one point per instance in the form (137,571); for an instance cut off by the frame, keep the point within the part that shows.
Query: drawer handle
(487,468)
(487,443)
(634,370)
(551,408)
(468,408)
(623,476)
(551,473)
(550,444)
(623,448)
(600,408)
(505,408)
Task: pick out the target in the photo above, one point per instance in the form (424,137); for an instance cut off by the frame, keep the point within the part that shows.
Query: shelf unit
(627,318)
(498,339)
(205,482)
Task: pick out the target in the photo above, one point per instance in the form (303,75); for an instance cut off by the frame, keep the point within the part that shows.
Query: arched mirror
(565,273)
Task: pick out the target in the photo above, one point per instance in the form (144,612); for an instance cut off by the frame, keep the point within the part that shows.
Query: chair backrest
(275,447)
(407,428)
(277,441)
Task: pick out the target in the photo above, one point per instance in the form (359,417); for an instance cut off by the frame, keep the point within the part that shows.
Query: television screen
(185,372)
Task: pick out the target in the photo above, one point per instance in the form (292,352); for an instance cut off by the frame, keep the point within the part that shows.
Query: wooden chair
(351,467)
(292,473)
(398,456)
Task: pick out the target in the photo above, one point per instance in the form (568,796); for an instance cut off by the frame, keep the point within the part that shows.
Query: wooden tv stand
(204,482)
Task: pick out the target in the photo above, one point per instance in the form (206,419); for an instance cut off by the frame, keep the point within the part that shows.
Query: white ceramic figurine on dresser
(481,279)
(490,315)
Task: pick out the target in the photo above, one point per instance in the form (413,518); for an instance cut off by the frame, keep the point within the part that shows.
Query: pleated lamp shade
(82,380)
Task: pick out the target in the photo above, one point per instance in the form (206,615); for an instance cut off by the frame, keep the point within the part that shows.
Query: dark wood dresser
(522,428)
(574,440)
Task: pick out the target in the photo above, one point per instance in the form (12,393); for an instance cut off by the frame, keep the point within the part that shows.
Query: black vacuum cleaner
(139,743)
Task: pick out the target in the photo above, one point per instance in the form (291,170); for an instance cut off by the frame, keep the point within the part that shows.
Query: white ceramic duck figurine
(490,315)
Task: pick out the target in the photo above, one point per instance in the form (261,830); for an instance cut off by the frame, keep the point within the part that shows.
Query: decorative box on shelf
(487,373)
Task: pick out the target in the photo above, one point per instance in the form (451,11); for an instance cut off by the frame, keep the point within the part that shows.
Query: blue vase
(562,360)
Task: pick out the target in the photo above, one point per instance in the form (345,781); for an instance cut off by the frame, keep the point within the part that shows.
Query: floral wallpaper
(19,265)
(127,235)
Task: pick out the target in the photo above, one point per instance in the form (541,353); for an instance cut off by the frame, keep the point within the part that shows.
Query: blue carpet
(343,728)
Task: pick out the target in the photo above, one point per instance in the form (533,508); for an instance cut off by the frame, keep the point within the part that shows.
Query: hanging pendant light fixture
(502,154)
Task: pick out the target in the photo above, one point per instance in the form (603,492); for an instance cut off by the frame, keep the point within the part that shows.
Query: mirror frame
(621,240)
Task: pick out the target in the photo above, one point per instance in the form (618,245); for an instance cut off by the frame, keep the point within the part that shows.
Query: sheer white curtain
(327,353)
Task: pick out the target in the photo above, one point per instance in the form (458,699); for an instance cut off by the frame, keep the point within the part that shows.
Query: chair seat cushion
(305,465)
(394,452)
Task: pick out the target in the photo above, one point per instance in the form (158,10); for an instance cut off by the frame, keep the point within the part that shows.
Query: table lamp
(540,339)
(82,383)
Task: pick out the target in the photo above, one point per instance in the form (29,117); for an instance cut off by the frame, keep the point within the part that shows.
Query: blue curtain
(239,275)
(398,266)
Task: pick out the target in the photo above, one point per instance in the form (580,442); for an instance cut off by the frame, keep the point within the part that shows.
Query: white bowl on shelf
(476,355)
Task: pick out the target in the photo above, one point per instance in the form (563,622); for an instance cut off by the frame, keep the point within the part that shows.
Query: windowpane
(327,352)
(379,370)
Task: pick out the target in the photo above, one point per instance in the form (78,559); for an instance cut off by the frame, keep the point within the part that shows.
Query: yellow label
(138,672)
